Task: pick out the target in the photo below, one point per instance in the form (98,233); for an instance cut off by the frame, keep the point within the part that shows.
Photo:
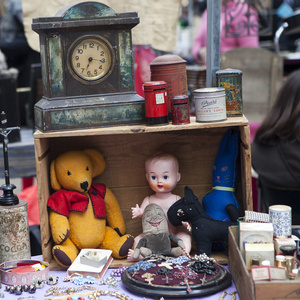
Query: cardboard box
(261,252)
(254,233)
(125,149)
(256,290)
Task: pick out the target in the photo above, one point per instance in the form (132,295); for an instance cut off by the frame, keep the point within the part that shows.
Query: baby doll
(162,173)
(157,239)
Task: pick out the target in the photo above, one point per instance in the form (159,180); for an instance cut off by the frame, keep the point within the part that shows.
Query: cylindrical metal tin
(180,110)
(171,69)
(156,103)
(210,104)
(231,80)
(14,232)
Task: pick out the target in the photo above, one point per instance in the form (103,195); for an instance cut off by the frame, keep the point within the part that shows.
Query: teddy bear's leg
(65,253)
(118,245)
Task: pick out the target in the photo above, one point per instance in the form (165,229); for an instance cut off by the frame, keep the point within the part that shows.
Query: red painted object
(180,110)
(156,103)
(171,69)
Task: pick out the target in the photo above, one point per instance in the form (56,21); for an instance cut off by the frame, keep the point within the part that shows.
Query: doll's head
(154,220)
(162,172)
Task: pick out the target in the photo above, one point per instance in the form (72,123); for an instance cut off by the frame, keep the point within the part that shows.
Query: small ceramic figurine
(162,173)
(156,237)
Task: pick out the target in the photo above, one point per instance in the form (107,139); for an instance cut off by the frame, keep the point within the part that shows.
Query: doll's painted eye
(224,169)
(166,177)
(180,213)
(69,173)
(153,177)
(87,169)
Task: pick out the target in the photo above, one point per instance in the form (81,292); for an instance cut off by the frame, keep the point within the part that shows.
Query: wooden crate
(125,149)
(256,290)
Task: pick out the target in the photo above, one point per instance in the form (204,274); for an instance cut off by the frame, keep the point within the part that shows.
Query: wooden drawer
(125,149)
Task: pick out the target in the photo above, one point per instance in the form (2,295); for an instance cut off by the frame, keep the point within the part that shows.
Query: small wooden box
(125,149)
(256,290)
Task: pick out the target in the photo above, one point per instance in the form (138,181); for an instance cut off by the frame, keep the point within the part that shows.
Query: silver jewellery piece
(39,283)
(71,278)
(110,281)
(26,298)
(52,279)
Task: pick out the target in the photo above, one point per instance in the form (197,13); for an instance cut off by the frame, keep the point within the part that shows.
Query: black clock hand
(90,59)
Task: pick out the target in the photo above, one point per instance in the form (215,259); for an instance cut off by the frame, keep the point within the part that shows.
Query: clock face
(90,58)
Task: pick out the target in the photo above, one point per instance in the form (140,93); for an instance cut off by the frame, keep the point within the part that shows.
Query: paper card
(277,273)
(260,273)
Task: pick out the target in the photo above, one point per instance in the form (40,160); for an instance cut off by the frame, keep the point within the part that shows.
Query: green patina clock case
(87,69)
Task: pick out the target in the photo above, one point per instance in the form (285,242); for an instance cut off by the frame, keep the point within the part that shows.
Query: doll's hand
(187,225)
(136,211)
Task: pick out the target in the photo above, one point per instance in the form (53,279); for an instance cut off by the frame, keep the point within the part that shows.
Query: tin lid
(180,99)
(229,71)
(151,83)
(210,90)
(167,59)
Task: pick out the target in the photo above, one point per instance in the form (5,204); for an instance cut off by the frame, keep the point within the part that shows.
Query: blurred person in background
(238,15)
(276,150)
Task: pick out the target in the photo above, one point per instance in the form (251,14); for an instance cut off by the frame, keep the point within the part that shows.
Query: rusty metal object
(180,110)
(14,232)
(171,69)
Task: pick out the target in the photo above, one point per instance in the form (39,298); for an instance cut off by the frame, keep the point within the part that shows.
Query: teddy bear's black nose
(84,185)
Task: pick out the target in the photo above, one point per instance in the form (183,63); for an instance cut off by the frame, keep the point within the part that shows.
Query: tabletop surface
(40,293)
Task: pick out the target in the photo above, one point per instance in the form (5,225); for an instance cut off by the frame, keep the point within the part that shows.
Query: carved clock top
(89,13)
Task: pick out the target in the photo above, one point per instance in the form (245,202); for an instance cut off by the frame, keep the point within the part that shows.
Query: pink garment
(238,12)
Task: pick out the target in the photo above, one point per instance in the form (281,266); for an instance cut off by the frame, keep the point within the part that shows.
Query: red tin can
(156,102)
(171,69)
(180,110)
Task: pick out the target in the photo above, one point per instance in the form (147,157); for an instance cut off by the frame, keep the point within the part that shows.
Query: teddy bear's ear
(54,182)
(97,160)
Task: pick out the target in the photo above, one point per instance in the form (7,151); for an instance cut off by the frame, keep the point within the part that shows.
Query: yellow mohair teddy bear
(82,214)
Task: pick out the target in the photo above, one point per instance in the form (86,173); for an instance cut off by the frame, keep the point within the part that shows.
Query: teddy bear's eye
(87,168)
(69,173)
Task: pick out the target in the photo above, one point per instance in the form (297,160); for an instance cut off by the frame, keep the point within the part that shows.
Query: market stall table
(40,293)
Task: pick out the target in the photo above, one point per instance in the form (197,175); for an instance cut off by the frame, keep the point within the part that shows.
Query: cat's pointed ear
(225,142)
(189,195)
(234,142)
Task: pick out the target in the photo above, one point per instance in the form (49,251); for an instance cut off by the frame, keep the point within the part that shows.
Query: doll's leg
(130,252)
(118,245)
(187,239)
(65,253)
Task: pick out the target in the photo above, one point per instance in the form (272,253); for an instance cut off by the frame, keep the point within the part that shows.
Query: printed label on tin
(159,98)
(209,110)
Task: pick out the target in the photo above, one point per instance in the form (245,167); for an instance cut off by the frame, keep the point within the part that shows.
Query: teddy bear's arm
(59,227)
(114,215)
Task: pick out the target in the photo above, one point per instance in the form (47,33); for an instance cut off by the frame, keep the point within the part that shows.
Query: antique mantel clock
(87,69)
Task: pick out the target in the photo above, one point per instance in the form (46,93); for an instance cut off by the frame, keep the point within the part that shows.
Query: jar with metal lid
(231,80)
(180,110)
(210,104)
(156,103)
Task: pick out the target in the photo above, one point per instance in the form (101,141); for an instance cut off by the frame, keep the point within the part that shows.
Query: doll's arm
(138,211)
(114,214)
(137,251)
(60,227)
(187,225)
(176,240)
